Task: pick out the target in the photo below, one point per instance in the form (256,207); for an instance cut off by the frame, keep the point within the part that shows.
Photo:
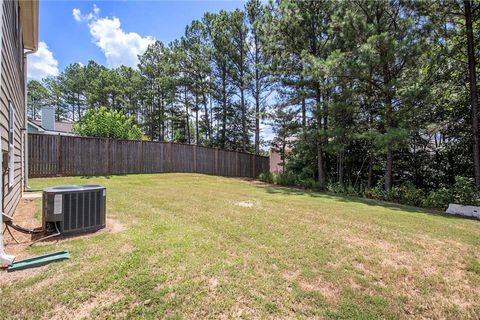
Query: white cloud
(42,63)
(119,47)
(77,15)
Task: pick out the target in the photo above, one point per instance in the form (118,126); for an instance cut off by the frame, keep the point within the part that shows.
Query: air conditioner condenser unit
(74,209)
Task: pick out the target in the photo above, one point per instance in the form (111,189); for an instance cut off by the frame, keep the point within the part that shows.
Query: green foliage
(266,177)
(107,123)
(307,183)
(463,191)
(286,179)
(474,266)
(439,198)
(336,187)
(348,190)
(405,194)
(37,97)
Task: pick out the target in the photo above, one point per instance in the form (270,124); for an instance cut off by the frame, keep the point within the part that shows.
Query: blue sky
(110,32)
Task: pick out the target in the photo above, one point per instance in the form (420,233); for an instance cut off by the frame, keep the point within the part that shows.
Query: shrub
(335,187)
(403,194)
(406,194)
(463,191)
(374,193)
(308,183)
(285,179)
(438,199)
(266,177)
(350,190)
(107,123)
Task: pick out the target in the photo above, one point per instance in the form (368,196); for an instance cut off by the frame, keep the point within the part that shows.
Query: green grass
(191,250)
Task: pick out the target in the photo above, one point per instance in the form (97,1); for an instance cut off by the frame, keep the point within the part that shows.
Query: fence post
(170,157)
(216,161)
(237,173)
(141,158)
(195,158)
(109,157)
(254,169)
(59,155)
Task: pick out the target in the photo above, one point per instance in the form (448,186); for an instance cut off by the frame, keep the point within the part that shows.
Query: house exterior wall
(12,92)
(275,162)
(33,129)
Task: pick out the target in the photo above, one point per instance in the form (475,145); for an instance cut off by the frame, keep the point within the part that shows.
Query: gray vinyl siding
(12,88)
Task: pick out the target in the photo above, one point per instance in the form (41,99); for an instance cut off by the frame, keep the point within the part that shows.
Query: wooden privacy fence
(55,155)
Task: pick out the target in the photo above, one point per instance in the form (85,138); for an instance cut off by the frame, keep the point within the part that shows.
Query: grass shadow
(273,189)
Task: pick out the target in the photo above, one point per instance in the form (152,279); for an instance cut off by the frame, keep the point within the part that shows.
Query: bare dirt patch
(100,301)
(127,248)
(32,195)
(9,278)
(246,204)
(327,289)
(112,226)
(24,216)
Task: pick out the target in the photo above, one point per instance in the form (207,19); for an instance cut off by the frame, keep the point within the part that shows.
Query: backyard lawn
(196,246)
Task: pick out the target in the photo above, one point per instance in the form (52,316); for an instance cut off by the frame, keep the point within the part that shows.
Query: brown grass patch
(100,301)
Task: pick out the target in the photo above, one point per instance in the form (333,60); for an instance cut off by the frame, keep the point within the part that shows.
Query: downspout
(5,259)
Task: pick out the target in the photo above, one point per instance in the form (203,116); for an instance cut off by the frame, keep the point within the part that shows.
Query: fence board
(54,155)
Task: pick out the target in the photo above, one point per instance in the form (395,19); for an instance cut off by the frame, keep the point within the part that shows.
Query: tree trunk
(473,91)
(257,118)
(320,156)
(304,114)
(388,169)
(244,117)
(340,167)
(370,173)
(242,101)
(196,122)
(207,121)
(389,160)
(389,123)
(162,116)
(79,108)
(304,104)
(187,117)
(257,97)
(224,102)
(196,128)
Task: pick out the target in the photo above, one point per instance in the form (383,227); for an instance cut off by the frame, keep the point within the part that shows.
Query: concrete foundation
(467,211)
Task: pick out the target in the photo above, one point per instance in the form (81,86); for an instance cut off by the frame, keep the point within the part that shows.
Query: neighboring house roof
(60,126)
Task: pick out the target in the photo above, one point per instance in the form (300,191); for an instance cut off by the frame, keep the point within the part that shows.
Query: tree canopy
(107,123)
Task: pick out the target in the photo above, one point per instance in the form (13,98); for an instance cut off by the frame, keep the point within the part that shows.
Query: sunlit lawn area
(198,246)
